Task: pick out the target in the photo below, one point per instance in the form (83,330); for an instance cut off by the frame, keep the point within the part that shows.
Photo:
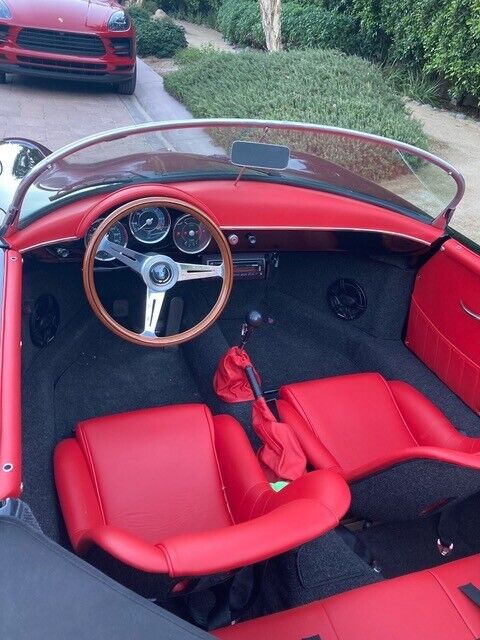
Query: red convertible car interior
(239,393)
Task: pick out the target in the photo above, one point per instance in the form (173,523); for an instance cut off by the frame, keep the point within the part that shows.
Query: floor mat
(404,547)
(88,371)
(112,375)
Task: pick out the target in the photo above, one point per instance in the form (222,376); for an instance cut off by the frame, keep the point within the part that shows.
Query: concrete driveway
(56,113)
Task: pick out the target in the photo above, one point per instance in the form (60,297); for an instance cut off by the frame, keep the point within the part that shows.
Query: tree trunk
(271,11)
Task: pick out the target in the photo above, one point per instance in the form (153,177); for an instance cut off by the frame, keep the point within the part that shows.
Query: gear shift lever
(253,320)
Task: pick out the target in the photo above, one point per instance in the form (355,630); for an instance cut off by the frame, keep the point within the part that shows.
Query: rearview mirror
(259,155)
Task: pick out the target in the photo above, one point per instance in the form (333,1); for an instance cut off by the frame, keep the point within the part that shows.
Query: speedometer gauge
(190,235)
(150,224)
(117,234)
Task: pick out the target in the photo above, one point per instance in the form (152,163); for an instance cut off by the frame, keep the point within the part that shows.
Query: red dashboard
(267,210)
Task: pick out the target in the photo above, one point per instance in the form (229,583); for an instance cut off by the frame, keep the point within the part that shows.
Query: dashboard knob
(233,239)
(252,240)
(63,252)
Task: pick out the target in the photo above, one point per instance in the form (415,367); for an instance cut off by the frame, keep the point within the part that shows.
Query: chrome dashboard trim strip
(260,228)
(359,229)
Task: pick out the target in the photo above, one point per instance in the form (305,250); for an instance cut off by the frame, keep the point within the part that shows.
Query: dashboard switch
(233,239)
(252,240)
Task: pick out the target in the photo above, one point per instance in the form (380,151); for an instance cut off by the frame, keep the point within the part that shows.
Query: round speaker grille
(347,299)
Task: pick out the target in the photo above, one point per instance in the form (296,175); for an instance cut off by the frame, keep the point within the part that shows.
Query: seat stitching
(211,431)
(298,407)
(93,475)
(444,589)
(392,397)
(161,547)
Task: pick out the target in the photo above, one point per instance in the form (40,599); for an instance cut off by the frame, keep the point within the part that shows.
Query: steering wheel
(159,273)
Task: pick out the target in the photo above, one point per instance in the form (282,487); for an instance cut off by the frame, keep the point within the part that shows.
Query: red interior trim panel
(10,372)
(250,205)
(444,323)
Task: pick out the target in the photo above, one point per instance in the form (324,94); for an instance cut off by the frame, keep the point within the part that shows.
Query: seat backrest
(155,471)
(354,416)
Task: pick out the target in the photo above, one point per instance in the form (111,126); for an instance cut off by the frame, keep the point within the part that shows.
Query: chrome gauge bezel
(92,228)
(168,220)
(182,249)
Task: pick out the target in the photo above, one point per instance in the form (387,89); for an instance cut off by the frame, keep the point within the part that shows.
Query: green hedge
(160,38)
(318,86)
(437,36)
(302,26)
(440,37)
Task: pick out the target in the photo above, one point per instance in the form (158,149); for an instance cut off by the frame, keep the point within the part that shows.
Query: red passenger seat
(421,606)
(400,454)
(177,491)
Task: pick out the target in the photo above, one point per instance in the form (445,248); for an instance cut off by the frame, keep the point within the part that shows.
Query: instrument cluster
(156,226)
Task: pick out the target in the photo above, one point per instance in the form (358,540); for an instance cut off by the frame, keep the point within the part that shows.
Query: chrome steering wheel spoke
(133,259)
(198,271)
(153,307)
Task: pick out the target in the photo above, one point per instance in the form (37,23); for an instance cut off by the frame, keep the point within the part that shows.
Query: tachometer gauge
(117,234)
(190,235)
(150,224)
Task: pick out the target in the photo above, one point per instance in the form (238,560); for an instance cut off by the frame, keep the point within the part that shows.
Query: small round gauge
(117,234)
(190,235)
(150,224)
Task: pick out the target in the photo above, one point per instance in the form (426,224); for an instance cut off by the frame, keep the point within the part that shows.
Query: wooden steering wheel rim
(91,290)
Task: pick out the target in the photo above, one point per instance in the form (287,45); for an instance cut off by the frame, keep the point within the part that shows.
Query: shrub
(311,26)
(441,36)
(195,10)
(317,86)
(138,14)
(302,26)
(240,23)
(193,54)
(452,46)
(160,38)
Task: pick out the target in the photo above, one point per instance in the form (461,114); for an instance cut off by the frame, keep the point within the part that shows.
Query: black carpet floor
(87,371)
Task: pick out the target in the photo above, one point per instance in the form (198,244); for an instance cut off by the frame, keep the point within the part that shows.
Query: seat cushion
(175,490)
(154,472)
(355,417)
(360,424)
(421,606)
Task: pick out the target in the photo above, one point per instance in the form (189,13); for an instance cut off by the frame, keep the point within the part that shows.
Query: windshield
(361,166)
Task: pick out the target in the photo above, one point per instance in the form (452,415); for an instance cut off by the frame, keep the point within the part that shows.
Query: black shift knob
(254,319)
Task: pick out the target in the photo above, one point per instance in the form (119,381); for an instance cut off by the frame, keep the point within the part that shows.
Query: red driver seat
(177,491)
(399,453)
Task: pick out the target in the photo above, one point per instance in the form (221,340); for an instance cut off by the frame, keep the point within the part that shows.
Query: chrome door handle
(469,312)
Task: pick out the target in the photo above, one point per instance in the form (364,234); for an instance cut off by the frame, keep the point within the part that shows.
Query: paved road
(56,113)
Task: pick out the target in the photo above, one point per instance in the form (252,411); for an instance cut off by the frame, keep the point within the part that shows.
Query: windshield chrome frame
(441,221)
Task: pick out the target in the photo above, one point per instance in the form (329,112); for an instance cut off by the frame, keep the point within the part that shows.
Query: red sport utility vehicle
(68,39)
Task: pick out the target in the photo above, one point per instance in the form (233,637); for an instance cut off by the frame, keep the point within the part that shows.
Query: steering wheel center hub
(161,273)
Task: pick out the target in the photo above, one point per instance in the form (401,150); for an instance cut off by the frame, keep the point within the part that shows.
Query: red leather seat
(174,490)
(421,606)
(400,454)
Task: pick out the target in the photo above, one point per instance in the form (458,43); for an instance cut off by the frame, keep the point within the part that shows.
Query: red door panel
(10,372)
(442,331)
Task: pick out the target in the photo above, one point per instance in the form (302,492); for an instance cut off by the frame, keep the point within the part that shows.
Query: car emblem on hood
(61,20)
